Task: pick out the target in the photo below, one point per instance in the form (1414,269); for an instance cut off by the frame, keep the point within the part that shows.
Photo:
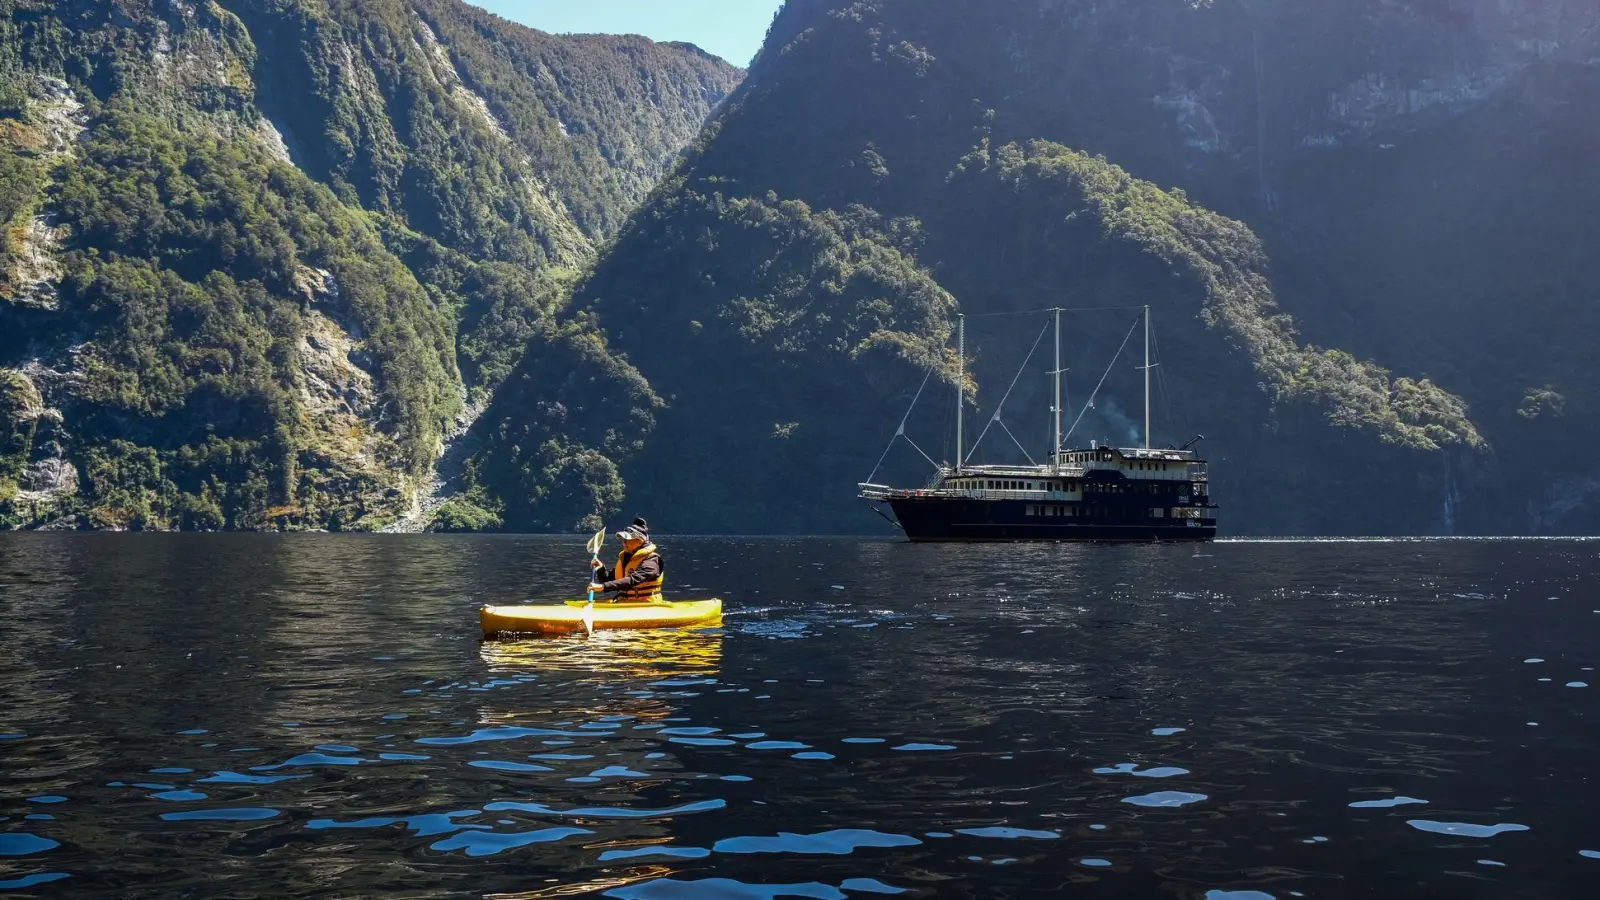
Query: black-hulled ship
(1097,493)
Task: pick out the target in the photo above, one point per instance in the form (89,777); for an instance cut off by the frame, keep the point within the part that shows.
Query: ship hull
(929,520)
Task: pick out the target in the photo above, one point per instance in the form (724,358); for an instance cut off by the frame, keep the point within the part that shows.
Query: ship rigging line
(997,410)
(901,431)
(1092,394)
(1030,312)
(1166,391)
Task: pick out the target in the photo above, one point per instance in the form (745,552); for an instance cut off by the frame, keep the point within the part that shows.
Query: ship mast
(1147,377)
(961,395)
(1055,451)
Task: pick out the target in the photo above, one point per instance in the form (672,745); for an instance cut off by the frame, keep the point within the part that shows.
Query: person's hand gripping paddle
(594,561)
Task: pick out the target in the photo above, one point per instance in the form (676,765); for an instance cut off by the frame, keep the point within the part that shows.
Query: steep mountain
(263,258)
(1403,179)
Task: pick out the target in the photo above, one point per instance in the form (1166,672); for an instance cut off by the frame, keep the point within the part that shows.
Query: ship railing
(884,492)
(986,494)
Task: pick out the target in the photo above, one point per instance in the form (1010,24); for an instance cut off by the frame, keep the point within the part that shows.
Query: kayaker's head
(635,535)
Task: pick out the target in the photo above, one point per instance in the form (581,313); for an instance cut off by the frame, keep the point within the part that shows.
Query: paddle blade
(596,542)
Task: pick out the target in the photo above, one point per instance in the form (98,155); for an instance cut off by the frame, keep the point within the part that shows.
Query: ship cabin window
(1158,513)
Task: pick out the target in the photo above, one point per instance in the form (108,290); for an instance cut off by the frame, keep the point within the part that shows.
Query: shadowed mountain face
(1403,181)
(263,257)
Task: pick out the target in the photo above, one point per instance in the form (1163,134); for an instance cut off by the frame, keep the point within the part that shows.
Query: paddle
(594,556)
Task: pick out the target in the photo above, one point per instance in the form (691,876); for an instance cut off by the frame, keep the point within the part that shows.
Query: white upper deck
(1063,474)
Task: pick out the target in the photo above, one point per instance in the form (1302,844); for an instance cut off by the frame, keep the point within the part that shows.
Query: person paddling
(639,571)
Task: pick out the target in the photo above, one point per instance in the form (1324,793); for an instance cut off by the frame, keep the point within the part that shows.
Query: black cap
(639,530)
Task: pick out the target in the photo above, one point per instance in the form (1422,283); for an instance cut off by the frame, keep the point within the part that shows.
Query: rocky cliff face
(262,258)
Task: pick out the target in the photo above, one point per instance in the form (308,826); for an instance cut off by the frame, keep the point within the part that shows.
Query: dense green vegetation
(20,174)
(758,321)
(597,133)
(292,238)
(189,265)
(1226,263)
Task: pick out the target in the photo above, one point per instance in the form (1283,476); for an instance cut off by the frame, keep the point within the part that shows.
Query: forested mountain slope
(262,257)
(1402,179)
(265,259)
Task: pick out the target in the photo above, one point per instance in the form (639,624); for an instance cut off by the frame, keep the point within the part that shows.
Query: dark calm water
(316,716)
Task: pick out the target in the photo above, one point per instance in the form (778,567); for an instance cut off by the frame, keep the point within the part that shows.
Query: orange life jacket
(648,591)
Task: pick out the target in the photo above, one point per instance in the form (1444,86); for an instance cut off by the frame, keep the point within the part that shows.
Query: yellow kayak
(568,617)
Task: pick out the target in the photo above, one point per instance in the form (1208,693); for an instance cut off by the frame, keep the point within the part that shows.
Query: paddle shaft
(594,562)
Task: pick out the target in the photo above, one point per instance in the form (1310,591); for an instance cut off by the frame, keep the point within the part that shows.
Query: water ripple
(488,843)
(28,881)
(499,734)
(726,889)
(1385,803)
(840,842)
(24,844)
(242,814)
(643,852)
(606,812)
(1165,799)
(1133,769)
(501,765)
(1009,833)
(1463,829)
(425,825)
(313,759)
